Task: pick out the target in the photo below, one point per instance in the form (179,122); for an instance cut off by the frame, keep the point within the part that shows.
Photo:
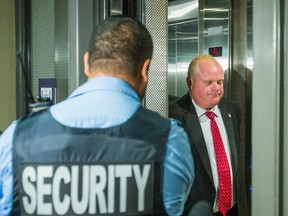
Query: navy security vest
(60,170)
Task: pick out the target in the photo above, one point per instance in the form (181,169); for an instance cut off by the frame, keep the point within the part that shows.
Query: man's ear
(144,71)
(189,81)
(86,64)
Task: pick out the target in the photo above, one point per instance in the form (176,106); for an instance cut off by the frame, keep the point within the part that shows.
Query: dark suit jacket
(203,187)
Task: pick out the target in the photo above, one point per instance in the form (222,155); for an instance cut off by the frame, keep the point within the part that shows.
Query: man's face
(207,85)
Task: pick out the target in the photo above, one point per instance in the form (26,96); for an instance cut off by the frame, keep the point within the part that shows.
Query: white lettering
(28,176)
(46,189)
(97,172)
(123,172)
(61,207)
(141,184)
(52,189)
(111,189)
(79,206)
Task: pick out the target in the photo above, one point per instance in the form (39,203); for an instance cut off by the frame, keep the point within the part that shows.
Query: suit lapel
(227,119)
(196,135)
(194,128)
(191,121)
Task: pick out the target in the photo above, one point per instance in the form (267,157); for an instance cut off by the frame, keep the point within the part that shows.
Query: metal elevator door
(223,29)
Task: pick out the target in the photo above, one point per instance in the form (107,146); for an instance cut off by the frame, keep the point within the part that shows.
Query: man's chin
(215,101)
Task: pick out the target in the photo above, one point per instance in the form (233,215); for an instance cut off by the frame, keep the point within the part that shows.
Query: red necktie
(225,187)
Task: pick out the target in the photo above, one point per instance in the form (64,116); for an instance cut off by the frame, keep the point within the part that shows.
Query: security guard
(99,152)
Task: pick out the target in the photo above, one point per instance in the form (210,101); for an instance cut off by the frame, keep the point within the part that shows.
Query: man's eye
(208,82)
(220,82)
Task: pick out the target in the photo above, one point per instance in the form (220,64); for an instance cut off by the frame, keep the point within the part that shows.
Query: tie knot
(210,115)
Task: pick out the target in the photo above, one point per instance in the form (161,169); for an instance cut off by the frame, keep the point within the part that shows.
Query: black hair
(122,42)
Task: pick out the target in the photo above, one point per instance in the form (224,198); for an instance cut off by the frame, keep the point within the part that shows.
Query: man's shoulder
(179,105)
(32,116)
(151,116)
(229,104)
(180,101)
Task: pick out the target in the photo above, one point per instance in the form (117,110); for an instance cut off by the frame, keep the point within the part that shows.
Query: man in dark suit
(205,82)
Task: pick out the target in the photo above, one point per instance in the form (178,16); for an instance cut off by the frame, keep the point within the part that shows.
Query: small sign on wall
(47,89)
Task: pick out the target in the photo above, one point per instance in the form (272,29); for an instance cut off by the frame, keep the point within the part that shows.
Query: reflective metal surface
(194,27)
(116,7)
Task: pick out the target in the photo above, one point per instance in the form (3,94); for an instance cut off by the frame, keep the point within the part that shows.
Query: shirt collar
(200,112)
(105,83)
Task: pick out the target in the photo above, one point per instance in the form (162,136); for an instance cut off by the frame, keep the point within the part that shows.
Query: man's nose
(215,86)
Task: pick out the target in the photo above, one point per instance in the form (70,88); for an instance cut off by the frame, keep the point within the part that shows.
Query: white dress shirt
(205,126)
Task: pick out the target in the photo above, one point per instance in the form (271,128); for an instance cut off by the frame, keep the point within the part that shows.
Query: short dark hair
(120,41)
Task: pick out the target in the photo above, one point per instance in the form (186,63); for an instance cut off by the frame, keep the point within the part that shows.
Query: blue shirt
(100,103)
